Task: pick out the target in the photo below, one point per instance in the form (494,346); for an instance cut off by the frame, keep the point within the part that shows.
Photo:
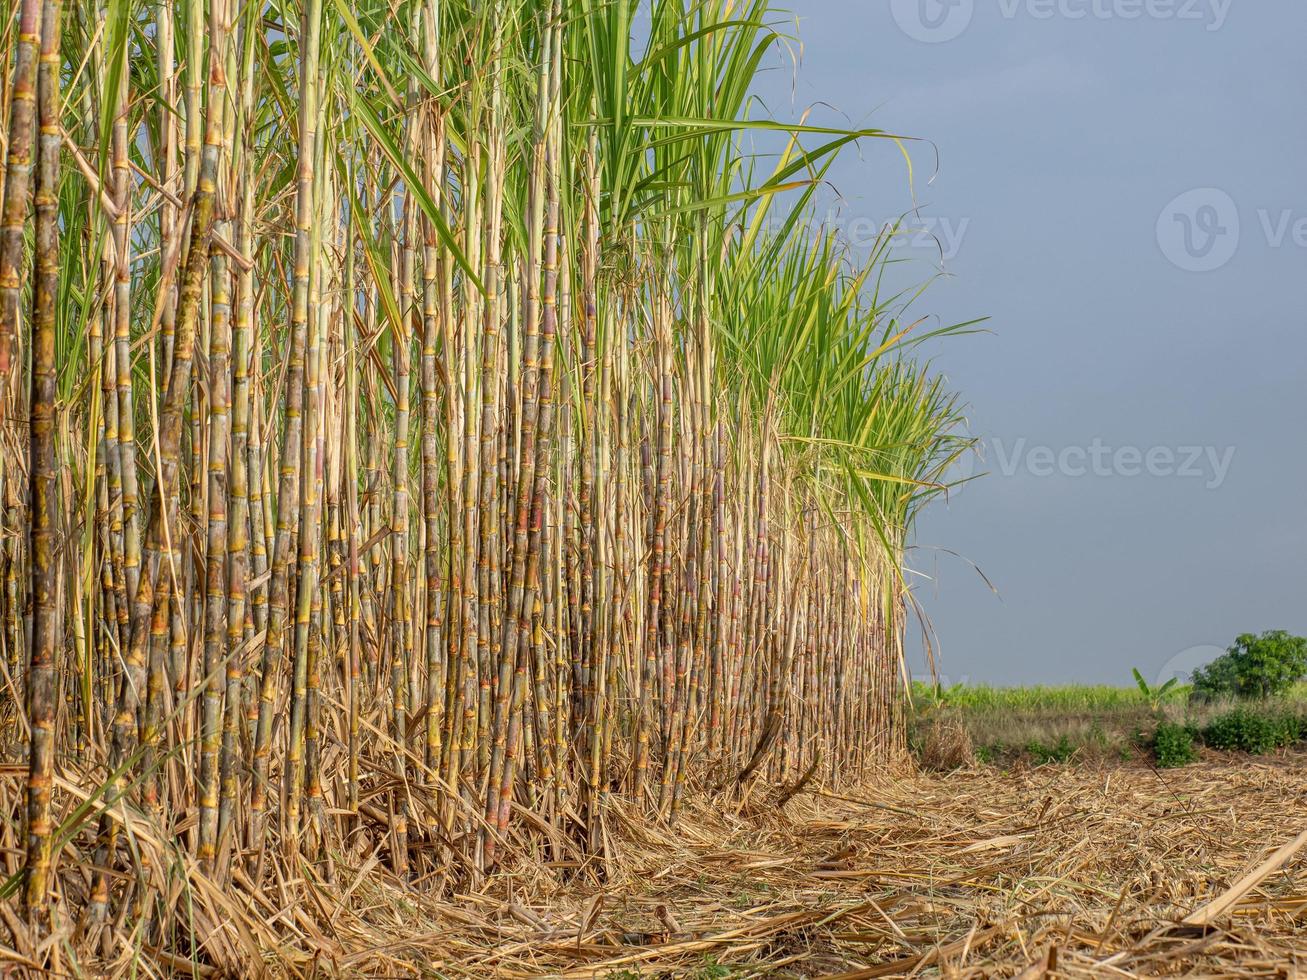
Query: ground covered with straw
(1050,871)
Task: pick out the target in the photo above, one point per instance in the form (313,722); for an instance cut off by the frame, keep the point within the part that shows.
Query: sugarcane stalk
(216,648)
(45,618)
(239,524)
(288,488)
(306,634)
(516,622)
(18,171)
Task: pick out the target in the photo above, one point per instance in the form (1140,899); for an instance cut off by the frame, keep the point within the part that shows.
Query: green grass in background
(1065,697)
(1042,724)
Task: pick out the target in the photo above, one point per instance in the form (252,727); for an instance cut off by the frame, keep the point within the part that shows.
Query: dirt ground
(1058,871)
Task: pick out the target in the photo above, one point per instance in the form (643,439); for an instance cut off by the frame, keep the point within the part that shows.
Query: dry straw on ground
(946,745)
(1055,871)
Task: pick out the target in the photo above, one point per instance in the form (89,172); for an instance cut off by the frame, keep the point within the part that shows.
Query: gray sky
(1126,325)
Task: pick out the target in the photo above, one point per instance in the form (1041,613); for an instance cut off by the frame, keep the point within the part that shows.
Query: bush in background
(1255,732)
(1173,745)
(1254,667)
(1060,751)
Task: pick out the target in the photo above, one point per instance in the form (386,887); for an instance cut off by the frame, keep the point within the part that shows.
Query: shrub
(1043,754)
(1254,667)
(1173,745)
(1256,732)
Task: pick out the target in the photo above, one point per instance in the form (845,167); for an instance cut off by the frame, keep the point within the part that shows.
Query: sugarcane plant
(420,414)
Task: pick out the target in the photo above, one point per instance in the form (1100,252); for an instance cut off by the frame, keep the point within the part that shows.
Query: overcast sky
(1121,189)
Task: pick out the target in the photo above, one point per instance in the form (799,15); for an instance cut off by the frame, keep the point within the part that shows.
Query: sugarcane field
(481,496)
